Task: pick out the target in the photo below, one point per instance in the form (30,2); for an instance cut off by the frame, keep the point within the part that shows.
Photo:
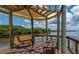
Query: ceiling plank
(4,6)
(11,7)
(52,17)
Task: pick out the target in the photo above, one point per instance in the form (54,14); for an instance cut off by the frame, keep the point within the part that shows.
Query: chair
(49,48)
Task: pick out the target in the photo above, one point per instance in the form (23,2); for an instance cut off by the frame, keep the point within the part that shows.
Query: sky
(72,19)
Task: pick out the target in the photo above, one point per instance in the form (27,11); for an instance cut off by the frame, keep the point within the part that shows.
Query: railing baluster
(42,39)
(76,47)
(68,43)
(51,38)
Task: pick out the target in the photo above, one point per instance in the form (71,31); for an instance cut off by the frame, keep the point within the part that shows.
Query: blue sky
(72,19)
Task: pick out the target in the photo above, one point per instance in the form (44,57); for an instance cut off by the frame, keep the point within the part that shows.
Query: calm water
(71,34)
(5,42)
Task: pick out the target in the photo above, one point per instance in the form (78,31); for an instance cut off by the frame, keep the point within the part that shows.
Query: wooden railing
(75,44)
(69,39)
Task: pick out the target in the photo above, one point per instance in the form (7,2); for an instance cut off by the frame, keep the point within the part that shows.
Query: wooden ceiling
(37,12)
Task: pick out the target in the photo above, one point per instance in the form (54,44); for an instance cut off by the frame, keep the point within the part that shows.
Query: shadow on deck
(40,47)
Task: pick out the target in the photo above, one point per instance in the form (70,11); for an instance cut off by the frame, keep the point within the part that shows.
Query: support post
(46,29)
(68,43)
(33,39)
(32,31)
(76,48)
(10,30)
(63,29)
(31,26)
(58,32)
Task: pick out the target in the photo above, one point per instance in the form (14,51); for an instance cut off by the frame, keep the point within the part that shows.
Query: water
(74,35)
(4,42)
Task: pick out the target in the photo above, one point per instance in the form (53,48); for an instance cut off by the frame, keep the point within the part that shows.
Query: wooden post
(33,39)
(32,31)
(42,39)
(10,30)
(68,43)
(76,47)
(58,32)
(63,29)
(31,26)
(51,38)
(46,29)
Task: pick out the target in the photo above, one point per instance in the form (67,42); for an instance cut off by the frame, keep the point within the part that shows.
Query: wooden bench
(22,40)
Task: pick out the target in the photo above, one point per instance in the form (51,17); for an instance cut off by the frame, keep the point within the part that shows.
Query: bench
(23,40)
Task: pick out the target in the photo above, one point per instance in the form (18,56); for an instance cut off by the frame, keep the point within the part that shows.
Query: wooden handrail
(77,41)
(76,44)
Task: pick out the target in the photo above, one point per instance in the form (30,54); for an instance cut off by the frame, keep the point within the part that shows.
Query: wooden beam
(46,9)
(14,6)
(25,17)
(2,11)
(21,16)
(48,13)
(11,7)
(4,6)
(37,12)
(45,13)
(52,17)
(10,30)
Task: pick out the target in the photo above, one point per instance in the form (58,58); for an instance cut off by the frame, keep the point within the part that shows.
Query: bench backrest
(17,39)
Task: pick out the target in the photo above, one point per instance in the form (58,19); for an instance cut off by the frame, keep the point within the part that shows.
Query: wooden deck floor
(37,49)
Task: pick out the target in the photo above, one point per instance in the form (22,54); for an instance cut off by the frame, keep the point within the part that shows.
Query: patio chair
(49,48)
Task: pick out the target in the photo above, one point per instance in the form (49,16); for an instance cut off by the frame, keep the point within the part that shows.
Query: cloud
(52,21)
(69,27)
(23,25)
(26,26)
(75,18)
(68,17)
(53,25)
(36,23)
(75,10)
(39,23)
(27,21)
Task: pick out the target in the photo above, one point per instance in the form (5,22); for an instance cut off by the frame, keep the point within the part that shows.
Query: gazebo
(36,12)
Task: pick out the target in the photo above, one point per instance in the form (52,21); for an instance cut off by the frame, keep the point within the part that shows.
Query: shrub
(18,30)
